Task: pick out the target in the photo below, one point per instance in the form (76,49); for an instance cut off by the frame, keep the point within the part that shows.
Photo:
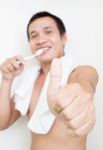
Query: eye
(49,31)
(33,36)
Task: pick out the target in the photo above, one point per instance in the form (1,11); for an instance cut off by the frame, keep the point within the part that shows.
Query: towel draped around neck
(42,119)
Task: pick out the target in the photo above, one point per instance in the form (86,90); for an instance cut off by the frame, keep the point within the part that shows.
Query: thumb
(55,77)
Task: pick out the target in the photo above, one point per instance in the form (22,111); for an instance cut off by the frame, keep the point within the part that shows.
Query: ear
(64,38)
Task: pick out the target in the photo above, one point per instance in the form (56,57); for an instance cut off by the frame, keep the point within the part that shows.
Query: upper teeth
(46,49)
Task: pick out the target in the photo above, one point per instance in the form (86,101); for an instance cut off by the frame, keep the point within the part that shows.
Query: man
(71,103)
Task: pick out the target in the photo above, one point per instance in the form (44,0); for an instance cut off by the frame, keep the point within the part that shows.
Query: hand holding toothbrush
(14,66)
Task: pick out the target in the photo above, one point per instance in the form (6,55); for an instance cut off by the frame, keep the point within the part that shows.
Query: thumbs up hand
(71,103)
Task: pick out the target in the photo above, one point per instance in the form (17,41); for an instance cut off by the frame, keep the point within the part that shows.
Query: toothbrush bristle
(39,52)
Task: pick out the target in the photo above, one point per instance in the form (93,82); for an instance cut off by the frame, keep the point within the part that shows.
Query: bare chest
(36,94)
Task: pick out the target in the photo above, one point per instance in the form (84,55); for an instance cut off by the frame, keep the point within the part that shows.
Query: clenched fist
(71,103)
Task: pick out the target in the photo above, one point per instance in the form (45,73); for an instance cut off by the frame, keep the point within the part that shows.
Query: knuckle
(79,133)
(71,132)
(73,124)
(59,103)
(84,130)
(65,115)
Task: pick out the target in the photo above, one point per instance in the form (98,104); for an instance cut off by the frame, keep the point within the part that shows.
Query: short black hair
(41,14)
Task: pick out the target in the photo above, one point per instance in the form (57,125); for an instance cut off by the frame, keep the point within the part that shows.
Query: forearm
(86,76)
(5,102)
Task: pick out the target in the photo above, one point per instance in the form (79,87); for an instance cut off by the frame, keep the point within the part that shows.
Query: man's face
(43,33)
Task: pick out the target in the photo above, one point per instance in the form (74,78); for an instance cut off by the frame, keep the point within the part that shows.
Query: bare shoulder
(85,71)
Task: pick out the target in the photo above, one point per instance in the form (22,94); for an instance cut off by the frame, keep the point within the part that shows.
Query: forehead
(42,23)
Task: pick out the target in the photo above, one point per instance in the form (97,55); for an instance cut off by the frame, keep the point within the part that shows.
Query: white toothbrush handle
(39,52)
(29,57)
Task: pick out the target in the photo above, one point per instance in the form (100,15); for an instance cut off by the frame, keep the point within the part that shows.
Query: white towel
(42,119)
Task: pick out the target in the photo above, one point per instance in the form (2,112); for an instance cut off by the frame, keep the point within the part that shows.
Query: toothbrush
(39,52)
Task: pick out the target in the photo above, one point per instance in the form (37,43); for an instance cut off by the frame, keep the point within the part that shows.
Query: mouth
(45,49)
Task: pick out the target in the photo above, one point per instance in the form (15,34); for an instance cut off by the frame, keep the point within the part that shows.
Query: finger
(4,69)
(64,98)
(71,132)
(86,128)
(55,77)
(82,118)
(15,63)
(10,67)
(74,109)
(19,59)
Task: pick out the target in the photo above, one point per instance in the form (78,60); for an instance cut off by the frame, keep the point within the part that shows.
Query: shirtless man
(72,104)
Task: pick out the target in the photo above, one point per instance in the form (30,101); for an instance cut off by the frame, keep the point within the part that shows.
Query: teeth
(46,49)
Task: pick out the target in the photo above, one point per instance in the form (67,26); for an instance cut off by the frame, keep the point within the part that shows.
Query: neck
(45,67)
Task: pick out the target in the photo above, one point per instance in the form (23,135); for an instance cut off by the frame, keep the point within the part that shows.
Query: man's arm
(8,114)
(86,76)
(73,103)
(9,69)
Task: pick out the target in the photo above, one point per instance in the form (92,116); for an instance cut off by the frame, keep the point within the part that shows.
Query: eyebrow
(46,27)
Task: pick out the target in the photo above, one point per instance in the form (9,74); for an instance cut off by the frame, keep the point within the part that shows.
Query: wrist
(6,81)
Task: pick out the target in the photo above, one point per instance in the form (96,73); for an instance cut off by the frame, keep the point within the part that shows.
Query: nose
(41,39)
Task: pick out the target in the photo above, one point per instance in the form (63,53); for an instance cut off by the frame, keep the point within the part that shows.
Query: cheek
(57,41)
(58,44)
(32,45)
(53,42)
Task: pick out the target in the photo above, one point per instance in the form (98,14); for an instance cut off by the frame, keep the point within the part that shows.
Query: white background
(84,23)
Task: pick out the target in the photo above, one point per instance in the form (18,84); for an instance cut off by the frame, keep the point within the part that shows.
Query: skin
(72,104)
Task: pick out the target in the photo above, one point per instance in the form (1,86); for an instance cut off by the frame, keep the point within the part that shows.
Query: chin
(45,59)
